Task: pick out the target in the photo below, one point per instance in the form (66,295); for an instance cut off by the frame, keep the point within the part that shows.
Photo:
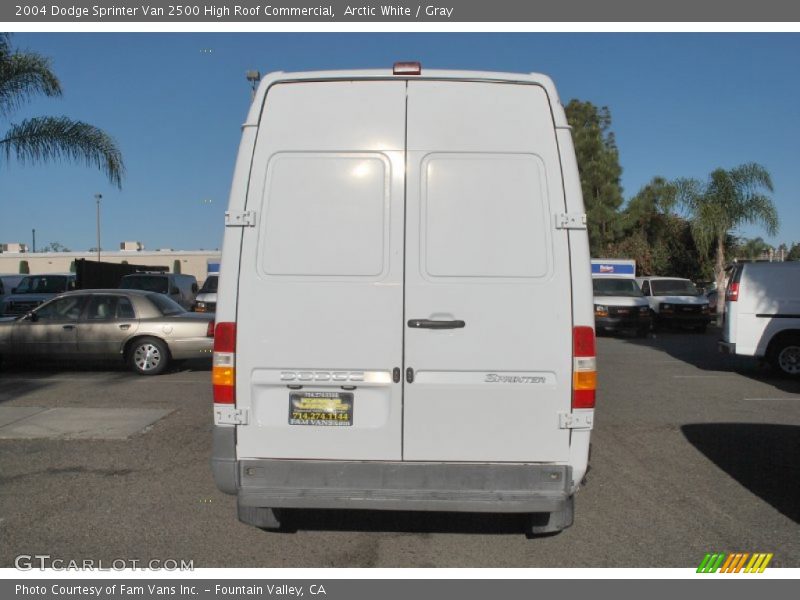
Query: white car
(619,305)
(675,302)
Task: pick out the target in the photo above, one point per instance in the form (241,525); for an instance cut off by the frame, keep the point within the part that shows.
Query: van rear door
(488,315)
(320,299)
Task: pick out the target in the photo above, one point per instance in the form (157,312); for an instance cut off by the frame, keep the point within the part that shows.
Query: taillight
(732,293)
(584,367)
(223,371)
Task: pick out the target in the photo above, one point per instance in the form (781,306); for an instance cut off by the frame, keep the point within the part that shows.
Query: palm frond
(60,138)
(22,76)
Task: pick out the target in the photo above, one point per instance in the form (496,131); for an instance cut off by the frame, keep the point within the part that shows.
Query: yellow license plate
(326,409)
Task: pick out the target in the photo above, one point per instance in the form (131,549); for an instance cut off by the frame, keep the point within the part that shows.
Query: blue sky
(682,105)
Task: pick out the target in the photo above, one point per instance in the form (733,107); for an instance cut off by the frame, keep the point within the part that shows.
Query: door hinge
(229,415)
(575,420)
(571,221)
(240,218)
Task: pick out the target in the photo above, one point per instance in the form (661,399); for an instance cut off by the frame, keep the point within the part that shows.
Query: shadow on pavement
(700,350)
(761,457)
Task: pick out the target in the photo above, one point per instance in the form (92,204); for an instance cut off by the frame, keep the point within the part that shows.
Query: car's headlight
(643,310)
(600,310)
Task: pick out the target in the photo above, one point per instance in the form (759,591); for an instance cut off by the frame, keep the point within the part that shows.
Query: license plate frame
(321,409)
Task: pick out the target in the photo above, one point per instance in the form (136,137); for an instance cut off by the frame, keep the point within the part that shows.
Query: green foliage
(752,248)
(794,252)
(599,169)
(25,74)
(728,200)
(55,247)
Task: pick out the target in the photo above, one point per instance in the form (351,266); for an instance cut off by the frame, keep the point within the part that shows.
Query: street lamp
(253,77)
(97,198)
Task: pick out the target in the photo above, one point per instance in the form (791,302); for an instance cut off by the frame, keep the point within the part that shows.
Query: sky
(682,105)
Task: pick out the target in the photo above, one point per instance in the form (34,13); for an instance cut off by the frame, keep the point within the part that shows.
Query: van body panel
(327,173)
(481,250)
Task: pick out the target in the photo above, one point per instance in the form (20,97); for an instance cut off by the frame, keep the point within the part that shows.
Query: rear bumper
(726,347)
(683,320)
(509,488)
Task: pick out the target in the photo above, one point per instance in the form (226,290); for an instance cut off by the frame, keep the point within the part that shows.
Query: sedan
(145,329)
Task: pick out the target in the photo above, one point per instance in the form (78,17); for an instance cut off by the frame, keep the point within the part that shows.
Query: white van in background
(675,302)
(762,314)
(404,317)
(619,304)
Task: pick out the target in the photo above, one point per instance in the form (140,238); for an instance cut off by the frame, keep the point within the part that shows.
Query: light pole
(97,198)
(253,77)
(34,240)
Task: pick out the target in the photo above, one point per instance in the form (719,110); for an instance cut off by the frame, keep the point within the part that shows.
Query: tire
(148,356)
(701,328)
(268,519)
(784,355)
(545,524)
(642,332)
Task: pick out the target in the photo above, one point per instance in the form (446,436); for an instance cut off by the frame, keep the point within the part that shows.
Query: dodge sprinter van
(404,311)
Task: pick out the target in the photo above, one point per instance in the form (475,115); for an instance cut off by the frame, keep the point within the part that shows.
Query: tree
(752,249)
(729,199)
(25,74)
(794,252)
(55,247)
(600,171)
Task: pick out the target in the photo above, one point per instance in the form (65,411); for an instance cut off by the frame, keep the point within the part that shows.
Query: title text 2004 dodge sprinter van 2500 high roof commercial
(404,317)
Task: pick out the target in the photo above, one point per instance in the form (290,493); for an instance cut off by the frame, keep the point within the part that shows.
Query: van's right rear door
(488,342)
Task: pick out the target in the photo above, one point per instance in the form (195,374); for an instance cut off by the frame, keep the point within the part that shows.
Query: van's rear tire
(543,524)
(261,517)
(784,355)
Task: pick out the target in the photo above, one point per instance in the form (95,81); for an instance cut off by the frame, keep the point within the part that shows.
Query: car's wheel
(643,331)
(148,356)
(784,355)
(701,328)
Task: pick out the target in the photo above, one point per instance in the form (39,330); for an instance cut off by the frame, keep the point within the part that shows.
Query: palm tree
(754,248)
(729,199)
(25,74)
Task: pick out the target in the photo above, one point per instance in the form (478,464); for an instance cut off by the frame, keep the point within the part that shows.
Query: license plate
(327,409)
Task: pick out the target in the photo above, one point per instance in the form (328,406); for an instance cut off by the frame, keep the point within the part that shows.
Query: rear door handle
(125,326)
(69,327)
(431,324)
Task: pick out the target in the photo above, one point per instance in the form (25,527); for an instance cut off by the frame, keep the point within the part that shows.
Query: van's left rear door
(320,299)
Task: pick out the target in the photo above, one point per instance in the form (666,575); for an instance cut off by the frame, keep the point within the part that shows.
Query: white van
(619,304)
(404,315)
(675,301)
(762,314)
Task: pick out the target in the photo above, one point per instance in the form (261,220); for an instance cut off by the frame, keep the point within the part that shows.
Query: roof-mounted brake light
(407,68)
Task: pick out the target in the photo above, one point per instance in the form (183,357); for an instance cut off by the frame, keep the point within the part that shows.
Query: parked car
(33,290)
(619,305)
(762,314)
(206,300)
(181,288)
(675,301)
(7,285)
(146,329)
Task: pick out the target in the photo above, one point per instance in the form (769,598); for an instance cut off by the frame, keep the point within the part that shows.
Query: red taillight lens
(407,68)
(223,372)
(732,293)
(584,367)
(225,337)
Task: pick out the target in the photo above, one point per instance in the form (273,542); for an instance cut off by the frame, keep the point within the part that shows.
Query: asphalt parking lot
(692,452)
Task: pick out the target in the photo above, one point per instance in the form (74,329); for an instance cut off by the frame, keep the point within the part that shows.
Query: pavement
(692,452)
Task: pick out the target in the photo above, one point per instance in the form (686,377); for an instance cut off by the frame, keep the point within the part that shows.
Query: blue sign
(602,268)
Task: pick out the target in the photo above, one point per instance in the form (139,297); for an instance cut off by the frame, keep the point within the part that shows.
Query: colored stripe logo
(738,562)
